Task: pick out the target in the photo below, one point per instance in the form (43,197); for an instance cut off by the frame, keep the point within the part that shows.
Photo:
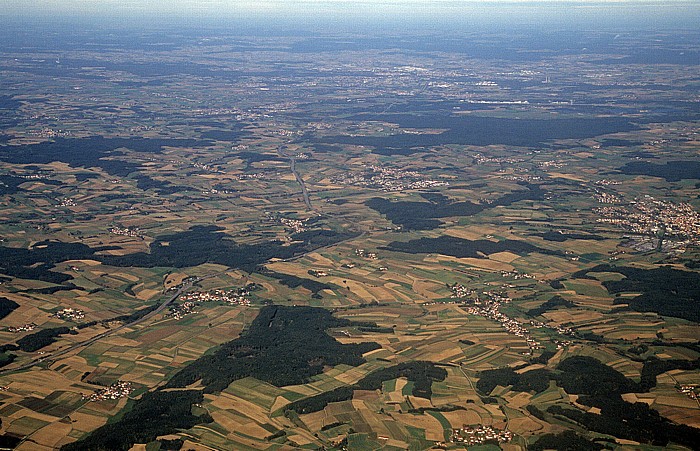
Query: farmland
(232,241)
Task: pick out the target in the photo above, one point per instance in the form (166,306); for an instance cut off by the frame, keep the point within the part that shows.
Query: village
(237,296)
(125,231)
(119,389)
(69,314)
(479,435)
(23,328)
(649,216)
(388,179)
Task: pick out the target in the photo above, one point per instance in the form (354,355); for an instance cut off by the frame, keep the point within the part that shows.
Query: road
(58,353)
(61,352)
(304,191)
(300,181)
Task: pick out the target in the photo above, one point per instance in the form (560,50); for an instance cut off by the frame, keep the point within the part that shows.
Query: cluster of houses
(607,198)
(119,389)
(69,314)
(480,434)
(563,330)
(66,202)
(125,231)
(649,216)
(459,291)
(516,275)
(23,328)
(178,311)
(364,254)
(689,390)
(295,225)
(388,179)
(251,176)
(490,308)
(184,282)
(238,296)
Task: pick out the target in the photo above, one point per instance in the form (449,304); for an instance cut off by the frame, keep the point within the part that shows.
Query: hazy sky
(554,11)
(232,6)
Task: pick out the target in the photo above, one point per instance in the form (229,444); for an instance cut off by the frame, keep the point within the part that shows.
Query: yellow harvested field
(52,435)
(125,276)
(84,262)
(479,263)
(252,429)
(504,257)
(677,400)
(247,408)
(148,294)
(433,428)
(519,400)
(428,288)
(86,422)
(525,426)
(458,418)
(467,234)
(280,402)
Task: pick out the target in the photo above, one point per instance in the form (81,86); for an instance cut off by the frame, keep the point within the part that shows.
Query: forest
(37,340)
(156,413)
(552,303)
(425,215)
(208,244)
(600,386)
(664,290)
(198,245)
(283,346)
(461,248)
(7,306)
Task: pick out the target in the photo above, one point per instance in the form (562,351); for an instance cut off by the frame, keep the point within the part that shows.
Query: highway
(300,181)
(47,357)
(304,191)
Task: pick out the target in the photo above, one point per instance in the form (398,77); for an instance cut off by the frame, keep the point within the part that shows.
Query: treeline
(90,152)
(558,237)
(137,315)
(422,374)
(208,244)
(553,303)
(629,421)
(7,306)
(672,171)
(37,340)
(156,413)
(565,441)
(34,342)
(533,380)
(461,248)
(291,281)
(664,290)
(654,366)
(376,329)
(426,215)
(6,358)
(283,346)
(576,375)
(196,246)
(36,262)
(599,385)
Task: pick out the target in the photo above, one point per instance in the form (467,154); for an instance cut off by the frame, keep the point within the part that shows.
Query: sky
(565,12)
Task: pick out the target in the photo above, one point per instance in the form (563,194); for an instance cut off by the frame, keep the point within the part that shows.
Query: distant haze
(581,14)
